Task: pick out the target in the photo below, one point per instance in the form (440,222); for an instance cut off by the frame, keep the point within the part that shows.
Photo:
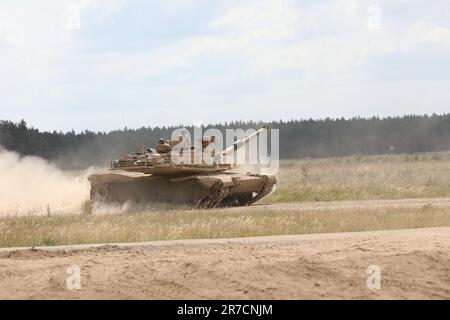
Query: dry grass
(214,223)
(353,178)
(367,177)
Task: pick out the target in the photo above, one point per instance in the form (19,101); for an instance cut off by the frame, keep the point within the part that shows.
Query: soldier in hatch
(163,147)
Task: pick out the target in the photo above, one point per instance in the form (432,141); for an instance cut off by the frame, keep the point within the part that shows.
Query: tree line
(298,138)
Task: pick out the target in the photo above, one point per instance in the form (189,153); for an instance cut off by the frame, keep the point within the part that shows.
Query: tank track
(189,192)
(220,196)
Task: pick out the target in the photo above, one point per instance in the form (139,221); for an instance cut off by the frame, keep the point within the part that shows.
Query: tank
(149,177)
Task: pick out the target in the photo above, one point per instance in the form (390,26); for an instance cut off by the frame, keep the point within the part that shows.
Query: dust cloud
(33,186)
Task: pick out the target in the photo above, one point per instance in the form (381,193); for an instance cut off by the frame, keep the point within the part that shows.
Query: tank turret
(182,176)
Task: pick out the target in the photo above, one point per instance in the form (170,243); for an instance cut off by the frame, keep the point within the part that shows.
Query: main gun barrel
(242,142)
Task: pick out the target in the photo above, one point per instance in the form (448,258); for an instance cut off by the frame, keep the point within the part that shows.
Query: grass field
(364,177)
(353,178)
(213,223)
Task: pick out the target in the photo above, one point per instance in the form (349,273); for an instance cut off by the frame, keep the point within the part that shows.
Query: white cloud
(271,35)
(260,19)
(34,39)
(428,33)
(324,44)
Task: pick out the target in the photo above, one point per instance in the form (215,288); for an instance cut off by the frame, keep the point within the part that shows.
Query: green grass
(364,177)
(214,223)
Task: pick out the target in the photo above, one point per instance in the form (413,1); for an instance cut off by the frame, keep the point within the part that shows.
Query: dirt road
(414,264)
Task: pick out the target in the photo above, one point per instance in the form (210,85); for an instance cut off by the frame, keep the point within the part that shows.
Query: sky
(109,64)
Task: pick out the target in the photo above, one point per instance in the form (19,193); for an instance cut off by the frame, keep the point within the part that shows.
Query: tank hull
(207,191)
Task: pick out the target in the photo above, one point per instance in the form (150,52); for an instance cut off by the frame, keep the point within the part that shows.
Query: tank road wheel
(236,200)
(249,198)
(217,193)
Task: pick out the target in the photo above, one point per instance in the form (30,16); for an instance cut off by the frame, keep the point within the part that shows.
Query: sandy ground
(414,264)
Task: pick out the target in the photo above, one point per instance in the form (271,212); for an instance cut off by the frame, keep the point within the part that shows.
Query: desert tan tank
(151,177)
